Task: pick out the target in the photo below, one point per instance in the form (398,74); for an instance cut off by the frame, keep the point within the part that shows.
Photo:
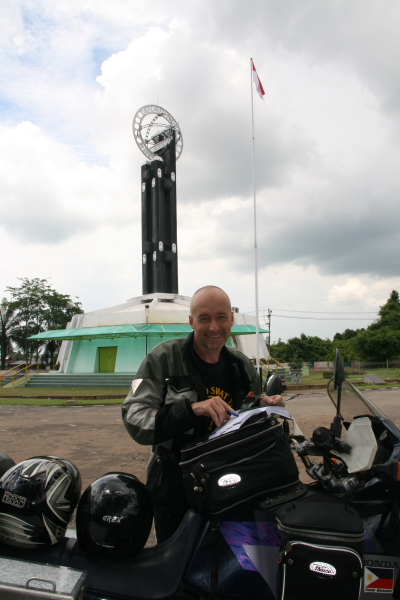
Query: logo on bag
(231,479)
(323,568)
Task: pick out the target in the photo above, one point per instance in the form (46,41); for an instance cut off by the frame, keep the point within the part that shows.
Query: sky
(327,152)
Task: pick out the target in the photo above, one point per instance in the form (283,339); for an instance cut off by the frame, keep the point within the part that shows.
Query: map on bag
(236,422)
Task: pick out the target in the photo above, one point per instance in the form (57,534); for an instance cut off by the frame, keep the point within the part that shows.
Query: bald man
(182,391)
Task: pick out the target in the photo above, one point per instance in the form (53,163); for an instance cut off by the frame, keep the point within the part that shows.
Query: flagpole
(255,222)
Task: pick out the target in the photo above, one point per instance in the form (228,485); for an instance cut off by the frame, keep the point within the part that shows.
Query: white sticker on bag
(323,568)
(231,479)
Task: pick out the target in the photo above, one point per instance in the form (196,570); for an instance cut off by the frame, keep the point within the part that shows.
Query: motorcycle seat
(155,573)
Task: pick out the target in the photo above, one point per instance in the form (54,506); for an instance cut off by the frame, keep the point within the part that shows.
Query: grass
(56,402)
(315,378)
(46,392)
(356,379)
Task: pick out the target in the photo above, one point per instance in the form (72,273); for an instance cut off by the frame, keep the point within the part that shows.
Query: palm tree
(8,322)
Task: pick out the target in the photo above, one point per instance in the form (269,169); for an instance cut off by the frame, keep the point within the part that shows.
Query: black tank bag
(238,467)
(322,548)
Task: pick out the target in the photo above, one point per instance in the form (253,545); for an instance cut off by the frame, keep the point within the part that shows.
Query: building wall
(84,356)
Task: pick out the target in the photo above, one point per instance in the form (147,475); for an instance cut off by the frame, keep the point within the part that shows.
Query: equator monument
(114,340)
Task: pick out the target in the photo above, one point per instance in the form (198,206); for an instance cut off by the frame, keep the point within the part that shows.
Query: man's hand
(215,408)
(272,401)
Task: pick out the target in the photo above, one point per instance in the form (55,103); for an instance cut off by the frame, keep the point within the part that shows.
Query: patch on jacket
(135,384)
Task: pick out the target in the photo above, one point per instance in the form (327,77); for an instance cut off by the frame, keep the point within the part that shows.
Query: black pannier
(322,548)
(238,467)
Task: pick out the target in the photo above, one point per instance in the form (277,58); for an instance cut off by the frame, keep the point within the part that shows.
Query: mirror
(339,373)
(274,385)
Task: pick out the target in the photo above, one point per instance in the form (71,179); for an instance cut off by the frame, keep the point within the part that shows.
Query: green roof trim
(119,331)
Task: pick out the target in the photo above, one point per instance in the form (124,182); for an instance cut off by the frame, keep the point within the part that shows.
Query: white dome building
(116,339)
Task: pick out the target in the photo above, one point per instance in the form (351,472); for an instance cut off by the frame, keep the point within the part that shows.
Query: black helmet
(114,516)
(37,499)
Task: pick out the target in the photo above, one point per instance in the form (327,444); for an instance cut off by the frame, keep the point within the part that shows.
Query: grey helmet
(37,500)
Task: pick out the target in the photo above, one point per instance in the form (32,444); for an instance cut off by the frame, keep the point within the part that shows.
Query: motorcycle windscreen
(353,402)
(361,439)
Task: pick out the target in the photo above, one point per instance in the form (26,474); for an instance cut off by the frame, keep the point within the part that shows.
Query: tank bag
(321,553)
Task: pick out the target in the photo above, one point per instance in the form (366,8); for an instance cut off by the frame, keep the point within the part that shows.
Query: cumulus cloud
(326,139)
(49,196)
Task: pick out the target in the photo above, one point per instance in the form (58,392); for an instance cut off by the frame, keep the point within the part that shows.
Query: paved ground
(95,439)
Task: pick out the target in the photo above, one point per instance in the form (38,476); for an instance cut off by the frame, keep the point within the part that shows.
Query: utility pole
(269,330)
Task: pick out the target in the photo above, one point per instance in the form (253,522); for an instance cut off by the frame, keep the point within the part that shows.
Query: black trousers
(168,496)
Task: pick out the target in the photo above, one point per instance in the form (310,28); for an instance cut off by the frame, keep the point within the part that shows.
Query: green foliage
(380,344)
(329,374)
(278,350)
(389,314)
(348,334)
(296,363)
(380,341)
(8,322)
(310,348)
(38,307)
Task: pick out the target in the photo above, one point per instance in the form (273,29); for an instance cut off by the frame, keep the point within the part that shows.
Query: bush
(329,374)
(296,363)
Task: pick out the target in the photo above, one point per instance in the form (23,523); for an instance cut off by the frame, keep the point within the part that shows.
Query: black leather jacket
(157,410)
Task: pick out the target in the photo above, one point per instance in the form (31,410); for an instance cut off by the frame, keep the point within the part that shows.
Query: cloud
(326,139)
(49,196)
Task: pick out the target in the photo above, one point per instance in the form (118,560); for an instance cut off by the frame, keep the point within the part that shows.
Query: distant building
(102,341)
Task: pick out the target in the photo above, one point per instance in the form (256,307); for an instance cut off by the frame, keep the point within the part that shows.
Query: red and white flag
(257,82)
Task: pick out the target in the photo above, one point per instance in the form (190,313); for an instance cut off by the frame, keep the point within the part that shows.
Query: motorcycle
(355,470)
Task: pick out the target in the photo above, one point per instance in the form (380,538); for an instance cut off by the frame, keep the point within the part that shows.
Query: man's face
(211,319)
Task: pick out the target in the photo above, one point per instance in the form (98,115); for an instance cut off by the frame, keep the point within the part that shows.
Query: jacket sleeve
(146,418)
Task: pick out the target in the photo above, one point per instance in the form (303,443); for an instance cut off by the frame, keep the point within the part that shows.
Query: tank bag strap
(216,551)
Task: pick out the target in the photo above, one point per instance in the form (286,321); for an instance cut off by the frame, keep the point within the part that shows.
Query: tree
(347,334)
(304,348)
(380,341)
(378,344)
(38,308)
(278,350)
(8,322)
(389,313)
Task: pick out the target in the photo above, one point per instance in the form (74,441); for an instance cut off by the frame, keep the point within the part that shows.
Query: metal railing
(6,374)
(21,378)
(277,363)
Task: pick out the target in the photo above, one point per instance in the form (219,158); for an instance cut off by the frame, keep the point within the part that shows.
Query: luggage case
(25,580)
(238,467)
(322,547)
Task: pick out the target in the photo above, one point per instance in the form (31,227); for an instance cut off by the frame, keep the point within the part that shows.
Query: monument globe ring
(153,129)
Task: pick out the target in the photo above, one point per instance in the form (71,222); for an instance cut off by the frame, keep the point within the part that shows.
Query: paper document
(236,422)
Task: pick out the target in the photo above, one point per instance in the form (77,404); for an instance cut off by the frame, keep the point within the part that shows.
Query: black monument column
(159,227)
(159,220)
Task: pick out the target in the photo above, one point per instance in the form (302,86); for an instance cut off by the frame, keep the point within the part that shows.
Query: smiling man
(183,389)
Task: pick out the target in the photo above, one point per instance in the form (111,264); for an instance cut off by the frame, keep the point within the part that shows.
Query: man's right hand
(214,407)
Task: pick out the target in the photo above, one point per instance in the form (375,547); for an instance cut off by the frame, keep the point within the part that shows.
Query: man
(183,389)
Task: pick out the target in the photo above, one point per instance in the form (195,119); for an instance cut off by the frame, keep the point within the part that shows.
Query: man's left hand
(272,401)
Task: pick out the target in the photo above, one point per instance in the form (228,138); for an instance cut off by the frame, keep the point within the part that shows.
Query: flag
(257,82)
(378,580)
